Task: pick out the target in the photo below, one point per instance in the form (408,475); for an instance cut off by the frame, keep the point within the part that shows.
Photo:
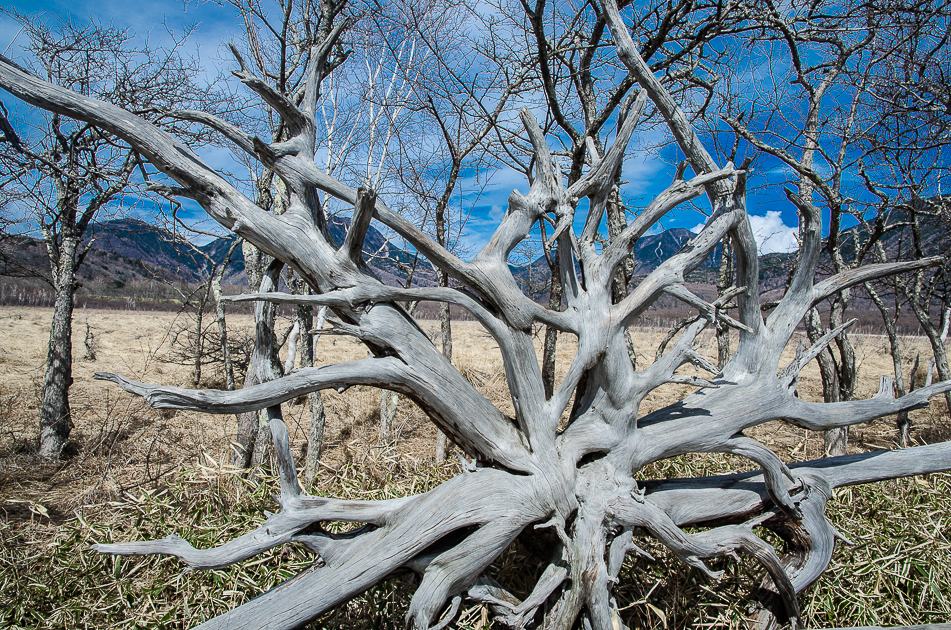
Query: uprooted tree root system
(898,571)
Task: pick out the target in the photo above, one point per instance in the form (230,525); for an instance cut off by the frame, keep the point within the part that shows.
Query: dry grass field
(134,472)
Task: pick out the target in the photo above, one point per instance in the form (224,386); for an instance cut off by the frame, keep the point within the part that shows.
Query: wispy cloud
(772,235)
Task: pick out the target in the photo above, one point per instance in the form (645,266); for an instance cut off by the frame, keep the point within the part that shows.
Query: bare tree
(69,172)
(909,170)
(813,109)
(207,293)
(575,488)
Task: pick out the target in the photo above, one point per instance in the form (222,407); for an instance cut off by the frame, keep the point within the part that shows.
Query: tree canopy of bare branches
(64,174)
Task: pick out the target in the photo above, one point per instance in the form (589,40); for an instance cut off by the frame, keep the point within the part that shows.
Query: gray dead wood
(525,473)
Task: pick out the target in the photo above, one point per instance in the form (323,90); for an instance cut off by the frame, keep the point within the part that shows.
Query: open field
(134,472)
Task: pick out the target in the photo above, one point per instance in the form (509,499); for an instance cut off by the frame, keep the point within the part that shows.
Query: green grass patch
(898,572)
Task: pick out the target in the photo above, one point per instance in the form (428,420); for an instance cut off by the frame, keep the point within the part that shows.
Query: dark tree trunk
(55,419)
(199,333)
(835,440)
(901,420)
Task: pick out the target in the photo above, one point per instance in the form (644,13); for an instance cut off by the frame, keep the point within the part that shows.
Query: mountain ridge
(129,253)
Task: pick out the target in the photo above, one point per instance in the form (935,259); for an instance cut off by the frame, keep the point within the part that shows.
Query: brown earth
(118,443)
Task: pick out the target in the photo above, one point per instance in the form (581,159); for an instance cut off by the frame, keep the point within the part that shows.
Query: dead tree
(523,475)
(587,90)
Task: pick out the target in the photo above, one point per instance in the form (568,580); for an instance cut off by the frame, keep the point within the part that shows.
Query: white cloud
(772,235)
(696,229)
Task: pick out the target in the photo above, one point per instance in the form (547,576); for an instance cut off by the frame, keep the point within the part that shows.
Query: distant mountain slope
(131,250)
(133,239)
(129,254)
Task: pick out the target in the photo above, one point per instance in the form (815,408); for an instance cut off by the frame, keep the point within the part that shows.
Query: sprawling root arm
(458,408)
(495,504)
(278,529)
(376,372)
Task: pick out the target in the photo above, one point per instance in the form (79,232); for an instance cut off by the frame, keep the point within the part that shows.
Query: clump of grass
(897,573)
(51,578)
(62,583)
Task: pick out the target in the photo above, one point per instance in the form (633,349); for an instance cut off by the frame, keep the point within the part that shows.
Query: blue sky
(773,218)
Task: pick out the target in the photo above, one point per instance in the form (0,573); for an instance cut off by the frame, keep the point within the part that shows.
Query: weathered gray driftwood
(525,474)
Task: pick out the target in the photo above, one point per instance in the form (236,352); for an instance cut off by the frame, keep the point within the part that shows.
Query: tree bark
(315,436)
(251,443)
(445,336)
(550,347)
(835,441)
(315,404)
(389,402)
(55,417)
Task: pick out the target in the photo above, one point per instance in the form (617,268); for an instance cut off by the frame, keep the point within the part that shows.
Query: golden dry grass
(134,472)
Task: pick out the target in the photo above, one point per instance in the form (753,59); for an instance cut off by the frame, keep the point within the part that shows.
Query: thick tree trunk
(389,402)
(315,436)
(835,441)
(315,404)
(55,419)
(251,442)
